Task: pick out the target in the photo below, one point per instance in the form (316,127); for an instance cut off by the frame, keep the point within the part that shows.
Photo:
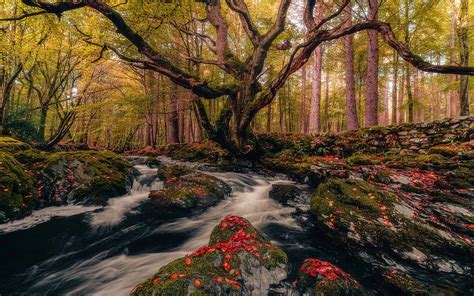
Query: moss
(446,150)
(85,176)
(168,172)
(187,189)
(362,159)
(407,286)
(216,269)
(12,145)
(18,195)
(203,152)
(356,207)
(421,161)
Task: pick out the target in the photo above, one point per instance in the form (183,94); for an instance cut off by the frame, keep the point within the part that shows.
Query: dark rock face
(284,193)
(18,195)
(187,189)
(237,261)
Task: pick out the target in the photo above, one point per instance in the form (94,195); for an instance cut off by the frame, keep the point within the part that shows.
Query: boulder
(237,261)
(317,277)
(187,189)
(88,177)
(362,214)
(284,193)
(18,195)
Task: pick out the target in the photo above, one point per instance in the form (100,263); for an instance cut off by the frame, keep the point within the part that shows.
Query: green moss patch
(18,195)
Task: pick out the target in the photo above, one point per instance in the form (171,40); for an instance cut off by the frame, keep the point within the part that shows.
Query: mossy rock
(321,278)
(420,161)
(89,177)
(201,152)
(403,284)
(175,171)
(239,262)
(363,159)
(188,189)
(361,214)
(18,196)
(12,145)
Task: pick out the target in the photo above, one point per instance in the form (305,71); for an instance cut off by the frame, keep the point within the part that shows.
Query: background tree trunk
(371,104)
(464,55)
(314,124)
(173,128)
(351,107)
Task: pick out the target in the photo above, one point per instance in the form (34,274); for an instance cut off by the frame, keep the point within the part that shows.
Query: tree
(250,87)
(462,32)
(351,107)
(371,103)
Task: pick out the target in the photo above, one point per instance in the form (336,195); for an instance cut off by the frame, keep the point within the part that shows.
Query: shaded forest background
(59,85)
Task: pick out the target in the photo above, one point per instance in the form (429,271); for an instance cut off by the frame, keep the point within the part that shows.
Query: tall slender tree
(371,103)
(351,105)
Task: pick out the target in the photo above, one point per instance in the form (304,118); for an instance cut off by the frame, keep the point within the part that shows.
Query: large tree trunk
(371,107)
(464,55)
(351,107)
(42,122)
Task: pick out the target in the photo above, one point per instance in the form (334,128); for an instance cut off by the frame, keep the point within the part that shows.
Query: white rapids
(117,275)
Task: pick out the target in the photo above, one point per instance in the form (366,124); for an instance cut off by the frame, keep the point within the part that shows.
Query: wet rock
(361,214)
(152,162)
(185,188)
(237,261)
(317,277)
(284,193)
(18,195)
(88,177)
(402,284)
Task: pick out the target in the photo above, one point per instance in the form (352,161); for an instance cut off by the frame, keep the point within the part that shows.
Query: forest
(236,147)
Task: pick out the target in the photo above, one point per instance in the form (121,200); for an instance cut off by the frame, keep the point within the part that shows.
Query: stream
(79,250)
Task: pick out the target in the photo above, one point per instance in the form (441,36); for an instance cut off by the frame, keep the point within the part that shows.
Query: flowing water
(76,250)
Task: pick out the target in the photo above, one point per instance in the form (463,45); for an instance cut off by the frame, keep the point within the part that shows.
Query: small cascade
(116,208)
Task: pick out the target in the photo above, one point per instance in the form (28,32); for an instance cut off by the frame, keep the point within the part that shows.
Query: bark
(303,100)
(7,82)
(351,105)
(409,94)
(464,55)
(394,90)
(371,107)
(452,98)
(172,114)
(326,102)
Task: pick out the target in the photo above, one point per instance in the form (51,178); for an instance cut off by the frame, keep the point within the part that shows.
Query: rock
(18,195)
(361,214)
(283,193)
(317,277)
(237,261)
(87,177)
(187,189)
(152,162)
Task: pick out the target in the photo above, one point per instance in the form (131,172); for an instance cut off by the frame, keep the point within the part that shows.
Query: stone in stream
(317,277)
(237,261)
(284,193)
(185,188)
(240,261)
(30,178)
